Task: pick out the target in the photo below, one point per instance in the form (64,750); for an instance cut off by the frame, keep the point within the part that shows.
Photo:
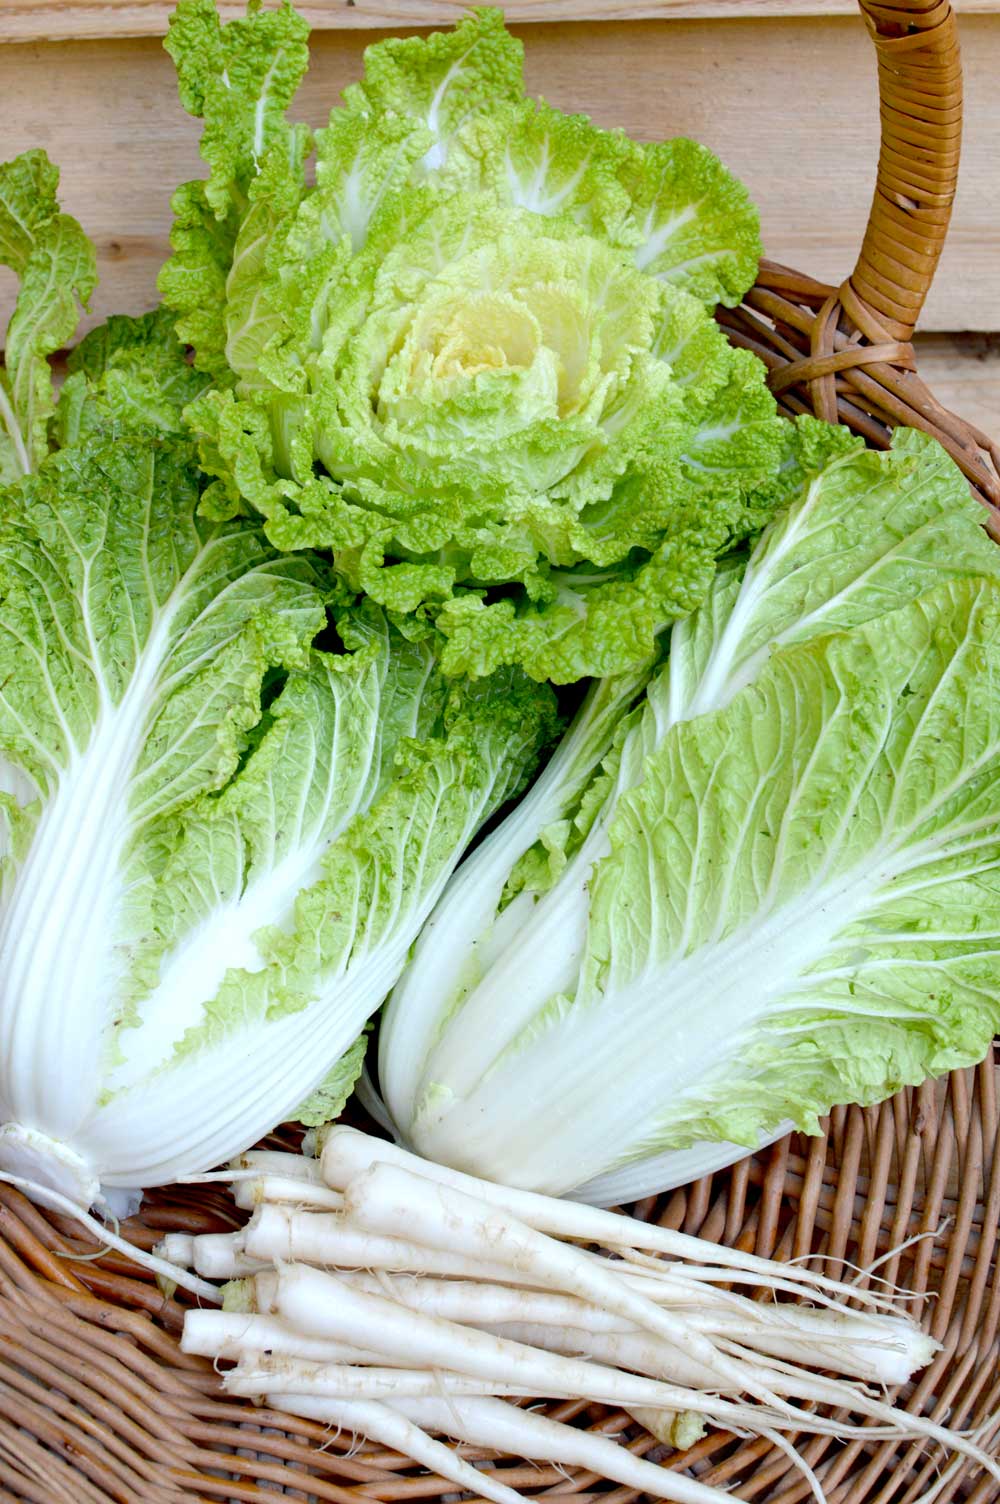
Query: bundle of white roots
(399,1301)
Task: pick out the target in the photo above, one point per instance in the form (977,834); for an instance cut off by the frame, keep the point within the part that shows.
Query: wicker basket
(98,1404)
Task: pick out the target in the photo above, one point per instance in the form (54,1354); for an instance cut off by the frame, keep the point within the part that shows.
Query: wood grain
(963,372)
(791,105)
(62,20)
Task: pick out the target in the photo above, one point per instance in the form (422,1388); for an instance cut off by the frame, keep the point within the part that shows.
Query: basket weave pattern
(98,1404)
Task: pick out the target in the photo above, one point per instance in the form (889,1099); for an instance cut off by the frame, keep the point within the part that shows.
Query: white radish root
(679,1430)
(251,1192)
(318,1303)
(257,1374)
(509,1428)
(231,1334)
(386,1196)
(390,1428)
(473,1304)
(347,1152)
(176,1248)
(394,1297)
(278,1162)
(277,1234)
(223,1255)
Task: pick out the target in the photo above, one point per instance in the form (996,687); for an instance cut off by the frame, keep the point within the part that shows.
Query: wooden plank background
(963,372)
(51,20)
(788,100)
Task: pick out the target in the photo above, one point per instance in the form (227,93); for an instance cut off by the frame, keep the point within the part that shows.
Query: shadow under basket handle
(920,99)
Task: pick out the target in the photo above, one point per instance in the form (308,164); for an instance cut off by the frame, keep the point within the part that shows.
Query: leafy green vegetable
(464,423)
(778,891)
(327,1102)
(55,265)
(128,375)
(219,840)
(477,359)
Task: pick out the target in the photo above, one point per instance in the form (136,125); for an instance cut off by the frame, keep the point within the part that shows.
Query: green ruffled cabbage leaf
(476,358)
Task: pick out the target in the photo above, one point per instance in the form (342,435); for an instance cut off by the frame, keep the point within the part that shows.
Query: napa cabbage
(222,821)
(762,885)
(476,358)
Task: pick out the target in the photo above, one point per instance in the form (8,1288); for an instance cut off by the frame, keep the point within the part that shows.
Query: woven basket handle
(845,353)
(920,94)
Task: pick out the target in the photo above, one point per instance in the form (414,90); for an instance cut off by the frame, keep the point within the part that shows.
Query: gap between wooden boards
(64,20)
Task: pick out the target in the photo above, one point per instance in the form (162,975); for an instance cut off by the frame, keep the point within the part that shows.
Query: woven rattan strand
(98,1404)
